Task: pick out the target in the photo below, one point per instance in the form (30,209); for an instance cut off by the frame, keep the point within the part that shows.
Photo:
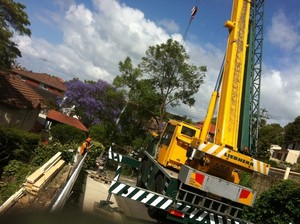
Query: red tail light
(176,213)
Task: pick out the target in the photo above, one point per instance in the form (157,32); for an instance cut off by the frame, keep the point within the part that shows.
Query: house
(211,131)
(54,116)
(51,84)
(48,86)
(289,153)
(20,105)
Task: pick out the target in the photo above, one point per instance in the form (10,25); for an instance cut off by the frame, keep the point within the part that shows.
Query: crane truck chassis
(184,197)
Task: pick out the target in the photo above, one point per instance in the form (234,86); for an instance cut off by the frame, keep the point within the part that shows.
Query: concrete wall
(262,183)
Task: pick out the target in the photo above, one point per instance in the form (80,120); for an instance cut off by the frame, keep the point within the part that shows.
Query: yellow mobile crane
(188,177)
(220,157)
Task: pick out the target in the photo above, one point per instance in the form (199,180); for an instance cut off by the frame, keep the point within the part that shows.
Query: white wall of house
(292,156)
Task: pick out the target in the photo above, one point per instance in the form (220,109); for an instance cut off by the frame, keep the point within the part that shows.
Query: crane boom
(227,127)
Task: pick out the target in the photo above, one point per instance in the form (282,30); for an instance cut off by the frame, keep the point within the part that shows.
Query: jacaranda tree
(94,102)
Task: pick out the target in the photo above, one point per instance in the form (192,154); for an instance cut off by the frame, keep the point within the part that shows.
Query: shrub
(17,144)
(14,174)
(95,151)
(64,134)
(246,179)
(280,204)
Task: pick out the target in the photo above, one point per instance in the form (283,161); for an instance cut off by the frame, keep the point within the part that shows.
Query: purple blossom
(94,102)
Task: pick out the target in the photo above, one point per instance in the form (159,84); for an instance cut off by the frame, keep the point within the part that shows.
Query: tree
(142,100)
(173,78)
(95,102)
(278,205)
(141,94)
(163,78)
(12,17)
(292,131)
(269,134)
(104,133)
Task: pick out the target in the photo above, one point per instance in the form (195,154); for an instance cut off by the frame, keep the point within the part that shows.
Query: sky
(87,39)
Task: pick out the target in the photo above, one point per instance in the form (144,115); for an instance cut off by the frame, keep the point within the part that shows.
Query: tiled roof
(14,92)
(212,127)
(65,119)
(49,80)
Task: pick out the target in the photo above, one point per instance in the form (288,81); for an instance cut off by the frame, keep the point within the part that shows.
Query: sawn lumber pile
(37,180)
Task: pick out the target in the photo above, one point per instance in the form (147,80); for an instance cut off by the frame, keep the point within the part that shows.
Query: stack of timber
(37,180)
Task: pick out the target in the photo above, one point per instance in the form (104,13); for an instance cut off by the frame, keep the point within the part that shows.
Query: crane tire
(154,212)
(141,173)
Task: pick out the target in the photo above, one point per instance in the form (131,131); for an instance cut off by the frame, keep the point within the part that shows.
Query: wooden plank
(34,176)
(39,172)
(48,175)
(51,161)
(11,200)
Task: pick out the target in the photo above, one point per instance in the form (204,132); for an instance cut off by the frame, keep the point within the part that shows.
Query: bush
(95,151)
(280,204)
(16,144)
(273,163)
(44,152)
(246,179)
(66,134)
(14,174)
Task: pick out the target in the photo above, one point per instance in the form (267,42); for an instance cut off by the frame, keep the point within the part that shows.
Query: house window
(279,155)
(42,85)
(22,78)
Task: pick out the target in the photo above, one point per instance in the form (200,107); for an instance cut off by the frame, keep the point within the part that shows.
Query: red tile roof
(49,80)
(65,119)
(212,127)
(14,92)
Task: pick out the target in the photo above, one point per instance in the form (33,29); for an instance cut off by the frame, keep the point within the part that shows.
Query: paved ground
(96,191)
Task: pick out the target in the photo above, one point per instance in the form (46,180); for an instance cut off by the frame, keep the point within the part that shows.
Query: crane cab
(174,142)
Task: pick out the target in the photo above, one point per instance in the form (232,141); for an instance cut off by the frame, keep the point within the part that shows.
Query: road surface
(134,212)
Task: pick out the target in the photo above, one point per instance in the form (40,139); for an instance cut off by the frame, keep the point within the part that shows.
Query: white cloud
(94,41)
(170,25)
(282,33)
(280,95)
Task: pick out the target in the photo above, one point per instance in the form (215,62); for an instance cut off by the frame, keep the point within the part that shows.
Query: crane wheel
(153,212)
(142,171)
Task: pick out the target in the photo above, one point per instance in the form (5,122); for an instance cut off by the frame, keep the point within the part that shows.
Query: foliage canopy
(292,131)
(269,134)
(12,17)
(278,205)
(163,78)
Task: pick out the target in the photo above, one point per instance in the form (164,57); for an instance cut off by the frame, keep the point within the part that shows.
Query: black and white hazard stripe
(114,156)
(201,215)
(141,195)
